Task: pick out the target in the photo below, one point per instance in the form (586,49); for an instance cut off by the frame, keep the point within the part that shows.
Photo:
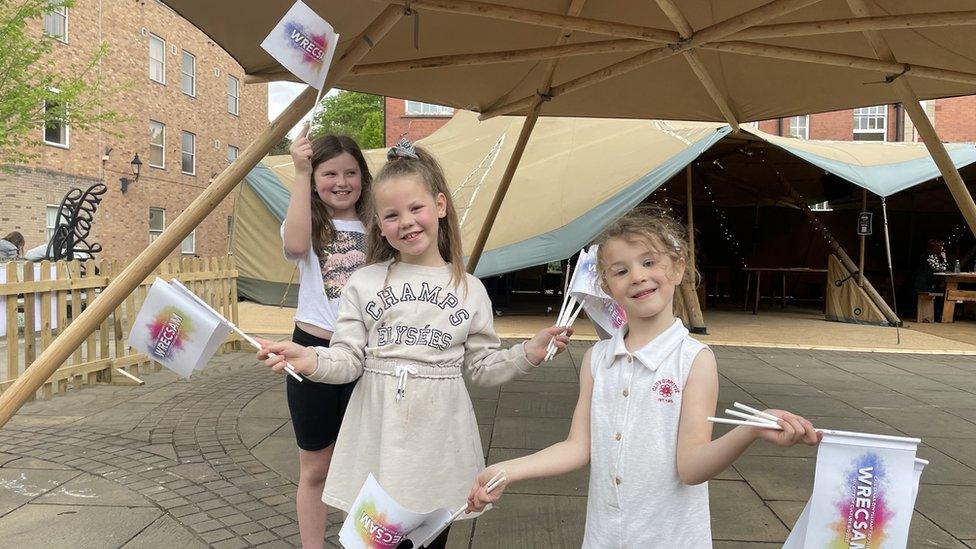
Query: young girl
(323,233)
(410,323)
(644,398)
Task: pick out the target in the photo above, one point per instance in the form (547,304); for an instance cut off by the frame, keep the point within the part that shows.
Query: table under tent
(577,175)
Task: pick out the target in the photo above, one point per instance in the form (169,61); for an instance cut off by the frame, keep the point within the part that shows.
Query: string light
(723,226)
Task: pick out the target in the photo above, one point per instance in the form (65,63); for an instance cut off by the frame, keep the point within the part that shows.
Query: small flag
(601,309)
(377,521)
(863,493)
(176,331)
(303,43)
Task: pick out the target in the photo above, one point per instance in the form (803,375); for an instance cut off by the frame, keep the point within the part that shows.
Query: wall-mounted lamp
(136,168)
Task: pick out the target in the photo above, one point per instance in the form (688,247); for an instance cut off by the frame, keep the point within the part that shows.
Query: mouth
(643,294)
(341,194)
(410,237)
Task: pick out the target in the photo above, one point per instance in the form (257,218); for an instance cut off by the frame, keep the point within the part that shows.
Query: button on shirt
(636,498)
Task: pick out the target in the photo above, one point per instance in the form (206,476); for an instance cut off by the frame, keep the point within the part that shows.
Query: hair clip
(403,149)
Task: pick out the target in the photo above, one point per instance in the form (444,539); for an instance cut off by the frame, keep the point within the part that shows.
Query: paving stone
(165,532)
(570,484)
(217,535)
(778,478)
(18,486)
(739,514)
(92,527)
(532,521)
(232,543)
(260,537)
(87,489)
(951,508)
(531,433)
(529,405)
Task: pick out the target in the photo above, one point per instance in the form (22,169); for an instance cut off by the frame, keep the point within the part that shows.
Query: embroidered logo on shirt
(666,390)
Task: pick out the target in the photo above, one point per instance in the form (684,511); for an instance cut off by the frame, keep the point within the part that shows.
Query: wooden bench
(926,306)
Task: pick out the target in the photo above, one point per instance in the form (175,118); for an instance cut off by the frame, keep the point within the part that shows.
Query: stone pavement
(211,461)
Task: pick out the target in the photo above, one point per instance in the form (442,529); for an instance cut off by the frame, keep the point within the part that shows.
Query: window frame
(162,145)
(192,153)
(237,153)
(162,60)
(64,37)
(161,230)
(193,242)
(49,229)
(883,115)
(440,111)
(805,126)
(64,124)
(192,76)
(237,97)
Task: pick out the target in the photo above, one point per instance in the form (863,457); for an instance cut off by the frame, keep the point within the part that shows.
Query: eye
(389,216)
(619,272)
(417,208)
(649,262)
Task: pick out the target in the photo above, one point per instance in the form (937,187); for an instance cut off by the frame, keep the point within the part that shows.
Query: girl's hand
(796,429)
(301,151)
(302,358)
(535,348)
(479,497)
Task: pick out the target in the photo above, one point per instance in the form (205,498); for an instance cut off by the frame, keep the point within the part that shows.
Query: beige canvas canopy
(683,59)
(579,174)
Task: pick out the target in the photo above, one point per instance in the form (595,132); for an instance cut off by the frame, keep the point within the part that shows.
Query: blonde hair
(664,235)
(426,168)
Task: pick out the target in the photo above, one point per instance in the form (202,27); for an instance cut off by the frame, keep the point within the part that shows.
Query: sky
(280,94)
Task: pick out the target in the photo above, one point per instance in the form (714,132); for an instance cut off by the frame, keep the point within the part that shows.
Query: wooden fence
(49,296)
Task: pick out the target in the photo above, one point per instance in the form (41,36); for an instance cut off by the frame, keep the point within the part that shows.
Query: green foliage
(283,147)
(358,115)
(29,79)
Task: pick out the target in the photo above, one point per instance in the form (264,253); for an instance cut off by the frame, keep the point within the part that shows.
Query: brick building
(954,120)
(413,119)
(186,113)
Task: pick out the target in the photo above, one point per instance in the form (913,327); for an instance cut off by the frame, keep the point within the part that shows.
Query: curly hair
(654,225)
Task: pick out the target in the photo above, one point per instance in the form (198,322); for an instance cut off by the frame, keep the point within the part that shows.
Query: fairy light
(723,226)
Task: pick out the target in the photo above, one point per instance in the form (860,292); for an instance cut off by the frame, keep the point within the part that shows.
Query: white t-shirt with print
(323,273)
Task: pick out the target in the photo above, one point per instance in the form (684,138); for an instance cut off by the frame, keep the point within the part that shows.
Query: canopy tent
(576,176)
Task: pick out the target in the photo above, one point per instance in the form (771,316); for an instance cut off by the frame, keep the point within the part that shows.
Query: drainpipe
(779,127)
(899,122)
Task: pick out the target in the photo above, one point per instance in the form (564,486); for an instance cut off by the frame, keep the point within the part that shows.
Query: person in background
(12,246)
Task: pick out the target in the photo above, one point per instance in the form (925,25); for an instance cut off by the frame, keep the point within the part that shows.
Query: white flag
(303,43)
(799,533)
(174,330)
(377,521)
(601,309)
(863,493)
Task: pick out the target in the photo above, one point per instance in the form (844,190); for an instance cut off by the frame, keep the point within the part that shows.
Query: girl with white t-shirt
(323,233)
(645,396)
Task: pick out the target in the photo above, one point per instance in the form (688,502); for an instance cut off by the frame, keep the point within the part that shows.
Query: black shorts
(316,408)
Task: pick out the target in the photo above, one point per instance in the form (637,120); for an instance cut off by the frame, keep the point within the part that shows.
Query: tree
(34,93)
(358,115)
(283,147)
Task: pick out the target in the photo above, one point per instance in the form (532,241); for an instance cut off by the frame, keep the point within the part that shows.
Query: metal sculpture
(76,214)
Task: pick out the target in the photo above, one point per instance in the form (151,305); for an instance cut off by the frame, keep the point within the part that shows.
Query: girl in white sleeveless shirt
(644,398)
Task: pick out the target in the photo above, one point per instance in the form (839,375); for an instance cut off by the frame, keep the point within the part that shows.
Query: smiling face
(409,218)
(338,182)
(639,276)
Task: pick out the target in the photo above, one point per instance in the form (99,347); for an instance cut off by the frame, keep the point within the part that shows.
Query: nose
(638,275)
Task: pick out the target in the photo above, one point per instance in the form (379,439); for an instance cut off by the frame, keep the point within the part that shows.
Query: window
(188,74)
(821,206)
(157,144)
(50,220)
(870,123)
(189,145)
(232,153)
(157,59)
(157,222)
(230,234)
(233,95)
(417,108)
(56,123)
(189,245)
(56,23)
(800,127)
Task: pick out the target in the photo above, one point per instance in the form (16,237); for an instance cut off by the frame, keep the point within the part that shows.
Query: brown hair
(327,147)
(663,233)
(426,168)
(16,239)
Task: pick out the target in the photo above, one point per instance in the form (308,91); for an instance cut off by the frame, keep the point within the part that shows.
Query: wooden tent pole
(774,9)
(479,246)
(121,286)
(845,259)
(690,283)
(860,263)
(922,123)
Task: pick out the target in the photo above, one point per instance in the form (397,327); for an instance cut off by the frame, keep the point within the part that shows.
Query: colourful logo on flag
(862,508)
(168,332)
(313,46)
(374,529)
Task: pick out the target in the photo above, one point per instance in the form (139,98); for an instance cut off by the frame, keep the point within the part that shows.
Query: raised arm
(699,457)
(296,233)
(560,458)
